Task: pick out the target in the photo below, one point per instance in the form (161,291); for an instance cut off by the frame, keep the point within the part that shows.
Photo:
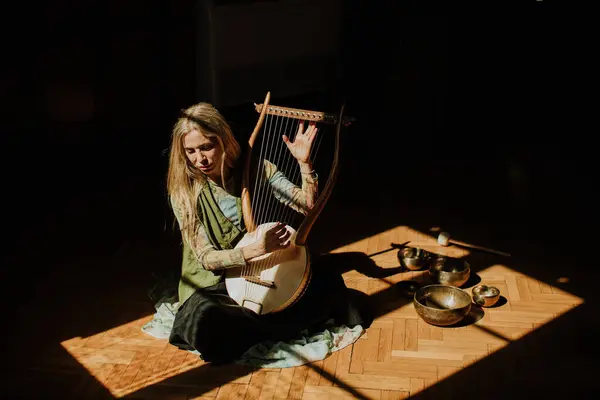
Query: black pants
(221,330)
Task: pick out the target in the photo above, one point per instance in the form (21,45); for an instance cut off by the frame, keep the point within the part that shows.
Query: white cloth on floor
(302,350)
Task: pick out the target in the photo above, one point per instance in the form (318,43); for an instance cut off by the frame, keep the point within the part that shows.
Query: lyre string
(293,176)
(263,213)
(315,149)
(261,204)
(260,190)
(256,194)
(271,202)
(281,166)
(264,204)
(290,174)
(284,213)
(268,203)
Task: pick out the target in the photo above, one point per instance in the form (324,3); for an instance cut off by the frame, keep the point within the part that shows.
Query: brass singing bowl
(450,271)
(485,296)
(442,305)
(412,258)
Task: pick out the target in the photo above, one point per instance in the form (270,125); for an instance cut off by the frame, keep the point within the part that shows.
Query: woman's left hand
(300,147)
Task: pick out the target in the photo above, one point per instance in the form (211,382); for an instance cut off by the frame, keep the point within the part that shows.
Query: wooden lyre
(275,281)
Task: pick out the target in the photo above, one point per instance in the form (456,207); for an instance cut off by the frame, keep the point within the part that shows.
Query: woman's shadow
(368,306)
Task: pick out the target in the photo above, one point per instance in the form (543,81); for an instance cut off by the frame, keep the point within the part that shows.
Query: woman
(204,190)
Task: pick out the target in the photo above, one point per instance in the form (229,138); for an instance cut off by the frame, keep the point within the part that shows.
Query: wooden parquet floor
(398,357)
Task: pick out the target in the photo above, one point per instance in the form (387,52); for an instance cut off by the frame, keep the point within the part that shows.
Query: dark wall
(100,84)
(95,90)
(455,100)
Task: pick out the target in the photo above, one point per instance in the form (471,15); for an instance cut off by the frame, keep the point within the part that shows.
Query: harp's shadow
(341,263)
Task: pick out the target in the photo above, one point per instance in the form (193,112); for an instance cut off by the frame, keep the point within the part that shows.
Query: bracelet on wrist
(313,174)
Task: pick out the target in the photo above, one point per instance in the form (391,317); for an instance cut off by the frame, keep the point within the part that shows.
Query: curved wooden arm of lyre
(246,205)
(311,217)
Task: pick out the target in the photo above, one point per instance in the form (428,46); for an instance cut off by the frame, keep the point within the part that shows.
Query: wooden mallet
(444,240)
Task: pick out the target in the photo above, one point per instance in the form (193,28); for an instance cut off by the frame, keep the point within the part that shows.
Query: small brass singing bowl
(412,258)
(450,271)
(442,305)
(485,296)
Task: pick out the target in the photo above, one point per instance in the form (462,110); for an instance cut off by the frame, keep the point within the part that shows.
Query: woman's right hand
(273,239)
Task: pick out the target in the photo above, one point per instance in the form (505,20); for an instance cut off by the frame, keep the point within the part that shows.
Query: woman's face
(204,152)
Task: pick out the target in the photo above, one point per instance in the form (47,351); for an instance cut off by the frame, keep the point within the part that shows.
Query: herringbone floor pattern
(398,357)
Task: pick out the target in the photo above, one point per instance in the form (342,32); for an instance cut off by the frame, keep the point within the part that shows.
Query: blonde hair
(184,180)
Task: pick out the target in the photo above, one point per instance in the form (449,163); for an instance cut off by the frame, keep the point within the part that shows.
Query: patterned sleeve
(299,199)
(210,258)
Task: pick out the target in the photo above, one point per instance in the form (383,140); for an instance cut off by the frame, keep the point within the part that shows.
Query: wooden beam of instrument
(258,281)
(307,115)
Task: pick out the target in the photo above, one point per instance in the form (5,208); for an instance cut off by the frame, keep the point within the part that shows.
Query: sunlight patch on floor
(124,359)
(399,353)
(422,349)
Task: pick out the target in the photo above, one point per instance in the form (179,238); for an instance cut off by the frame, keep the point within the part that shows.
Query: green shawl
(223,235)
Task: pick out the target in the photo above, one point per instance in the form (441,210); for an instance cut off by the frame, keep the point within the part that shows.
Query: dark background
(455,116)
(470,103)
